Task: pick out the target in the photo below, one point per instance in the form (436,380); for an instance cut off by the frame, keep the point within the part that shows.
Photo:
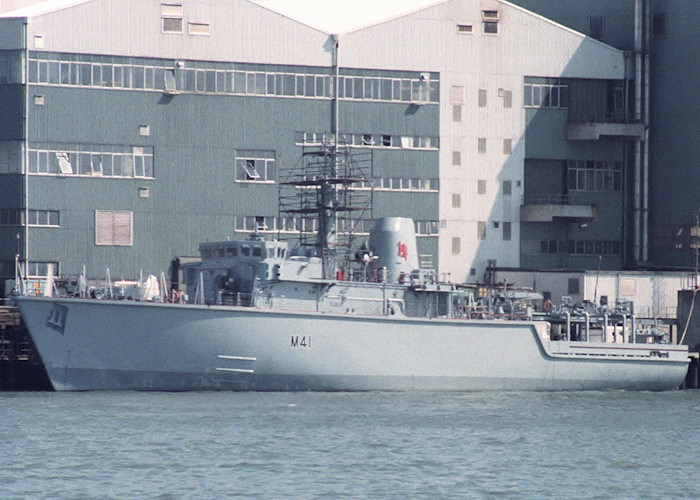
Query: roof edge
(561,26)
(42,8)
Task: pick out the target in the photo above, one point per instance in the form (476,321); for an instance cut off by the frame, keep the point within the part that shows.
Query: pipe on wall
(637,118)
(645,152)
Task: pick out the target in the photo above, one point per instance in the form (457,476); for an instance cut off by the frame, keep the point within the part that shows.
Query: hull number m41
(303,342)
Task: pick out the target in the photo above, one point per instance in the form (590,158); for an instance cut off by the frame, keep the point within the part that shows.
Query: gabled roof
(41,8)
(342,16)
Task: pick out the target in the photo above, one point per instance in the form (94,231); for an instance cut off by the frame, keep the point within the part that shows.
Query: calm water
(306,445)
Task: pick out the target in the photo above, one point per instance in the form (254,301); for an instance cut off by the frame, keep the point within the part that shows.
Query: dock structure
(20,366)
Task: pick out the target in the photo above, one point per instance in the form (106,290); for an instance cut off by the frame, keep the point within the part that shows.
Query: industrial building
(660,39)
(134,130)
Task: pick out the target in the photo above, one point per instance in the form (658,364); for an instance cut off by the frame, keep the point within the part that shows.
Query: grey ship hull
(122,345)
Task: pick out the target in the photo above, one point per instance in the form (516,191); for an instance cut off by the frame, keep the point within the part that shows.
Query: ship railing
(243,299)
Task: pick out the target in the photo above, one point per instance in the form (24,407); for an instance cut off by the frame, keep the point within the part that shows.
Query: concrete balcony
(547,208)
(596,128)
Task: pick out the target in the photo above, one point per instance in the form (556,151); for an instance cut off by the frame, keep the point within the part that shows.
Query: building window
(507,188)
(456,113)
(481,186)
(465,29)
(114,228)
(171,17)
(64,164)
(507,146)
(42,269)
(588,175)
(490,27)
(482,98)
(489,19)
(169,80)
(573,288)
(48,218)
(198,28)
(456,158)
(11,157)
(659,24)
(506,231)
(10,67)
(456,246)
(596,27)
(481,147)
(426,227)
(507,97)
(456,200)
(546,93)
(11,217)
(255,166)
(481,230)
(457,94)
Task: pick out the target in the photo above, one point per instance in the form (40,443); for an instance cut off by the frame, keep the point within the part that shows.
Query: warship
(260,315)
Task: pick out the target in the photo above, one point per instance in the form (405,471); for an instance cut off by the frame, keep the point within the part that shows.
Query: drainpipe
(25,146)
(626,156)
(637,117)
(336,84)
(645,174)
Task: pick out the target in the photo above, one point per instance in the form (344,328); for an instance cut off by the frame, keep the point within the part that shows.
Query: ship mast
(326,239)
(332,188)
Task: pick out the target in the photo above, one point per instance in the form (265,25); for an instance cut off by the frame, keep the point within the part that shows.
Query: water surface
(375,444)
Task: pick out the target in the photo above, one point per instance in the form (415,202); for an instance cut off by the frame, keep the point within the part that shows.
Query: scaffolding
(327,199)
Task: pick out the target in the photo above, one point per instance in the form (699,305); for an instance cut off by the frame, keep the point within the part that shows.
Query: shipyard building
(132,131)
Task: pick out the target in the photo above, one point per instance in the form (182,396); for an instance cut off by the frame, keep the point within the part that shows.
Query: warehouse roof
(328,16)
(342,16)
(39,8)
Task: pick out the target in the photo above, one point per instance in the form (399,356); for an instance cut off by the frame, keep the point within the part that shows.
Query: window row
(368,140)
(546,93)
(580,247)
(586,175)
(271,224)
(222,78)
(421,90)
(37,269)
(412,184)
(15,217)
(396,184)
(90,160)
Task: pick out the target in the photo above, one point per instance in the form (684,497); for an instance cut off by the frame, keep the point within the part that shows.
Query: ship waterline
(134,345)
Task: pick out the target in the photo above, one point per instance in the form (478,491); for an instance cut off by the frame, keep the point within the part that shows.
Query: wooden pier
(20,366)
